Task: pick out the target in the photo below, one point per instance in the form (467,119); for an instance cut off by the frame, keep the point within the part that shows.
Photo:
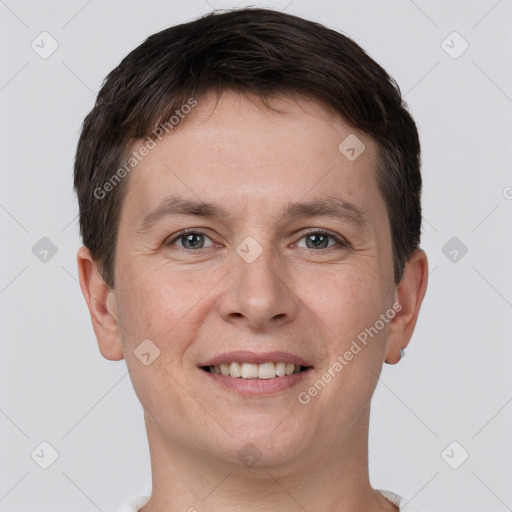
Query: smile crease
(268,370)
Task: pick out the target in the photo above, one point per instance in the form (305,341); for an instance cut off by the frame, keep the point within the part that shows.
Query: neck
(328,478)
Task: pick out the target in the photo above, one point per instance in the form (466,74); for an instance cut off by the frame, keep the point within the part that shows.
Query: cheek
(166,307)
(161,307)
(156,300)
(352,304)
(347,300)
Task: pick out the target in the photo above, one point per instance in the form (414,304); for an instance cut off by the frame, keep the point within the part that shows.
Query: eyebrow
(330,206)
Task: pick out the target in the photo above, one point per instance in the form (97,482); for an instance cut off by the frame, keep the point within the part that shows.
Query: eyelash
(342,242)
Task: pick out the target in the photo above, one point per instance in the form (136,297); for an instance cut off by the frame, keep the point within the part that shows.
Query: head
(289,156)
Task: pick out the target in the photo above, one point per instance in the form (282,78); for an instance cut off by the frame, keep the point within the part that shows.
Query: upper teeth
(255,371)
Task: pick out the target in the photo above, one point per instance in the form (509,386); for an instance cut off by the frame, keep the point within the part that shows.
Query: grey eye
(317,240)
(320,240)
(192,240)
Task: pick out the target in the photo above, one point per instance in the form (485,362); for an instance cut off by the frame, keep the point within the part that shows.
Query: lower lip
(258,386)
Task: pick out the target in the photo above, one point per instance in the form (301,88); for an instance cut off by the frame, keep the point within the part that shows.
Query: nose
(259,294)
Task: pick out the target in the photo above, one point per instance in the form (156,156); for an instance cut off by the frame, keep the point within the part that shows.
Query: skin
(313,302)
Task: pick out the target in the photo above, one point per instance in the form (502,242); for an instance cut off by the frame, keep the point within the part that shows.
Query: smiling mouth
(263,371)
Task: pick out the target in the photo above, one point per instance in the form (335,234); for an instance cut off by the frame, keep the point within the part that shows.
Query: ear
(102,307)
(409,295)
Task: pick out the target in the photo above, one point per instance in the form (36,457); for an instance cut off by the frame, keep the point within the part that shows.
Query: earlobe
(409,294)
(101,303)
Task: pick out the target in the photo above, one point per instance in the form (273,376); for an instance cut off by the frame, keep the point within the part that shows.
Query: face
(270,246)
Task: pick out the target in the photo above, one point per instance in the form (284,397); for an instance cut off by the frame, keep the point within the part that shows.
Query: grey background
(454,383)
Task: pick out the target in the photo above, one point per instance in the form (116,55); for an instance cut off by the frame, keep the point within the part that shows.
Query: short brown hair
(249,50)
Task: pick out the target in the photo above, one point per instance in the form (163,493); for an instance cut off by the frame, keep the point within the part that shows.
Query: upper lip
(244,356)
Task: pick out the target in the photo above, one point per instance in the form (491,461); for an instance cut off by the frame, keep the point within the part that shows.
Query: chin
(261,443)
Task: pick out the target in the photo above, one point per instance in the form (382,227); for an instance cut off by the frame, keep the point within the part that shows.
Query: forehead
(245,155)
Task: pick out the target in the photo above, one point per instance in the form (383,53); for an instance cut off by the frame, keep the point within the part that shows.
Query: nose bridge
(257,289)
(259,274)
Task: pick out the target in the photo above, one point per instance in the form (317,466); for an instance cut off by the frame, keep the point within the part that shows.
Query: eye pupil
(318,240)
(191,241)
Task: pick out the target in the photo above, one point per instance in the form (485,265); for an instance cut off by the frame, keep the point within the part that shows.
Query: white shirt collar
(135,504)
